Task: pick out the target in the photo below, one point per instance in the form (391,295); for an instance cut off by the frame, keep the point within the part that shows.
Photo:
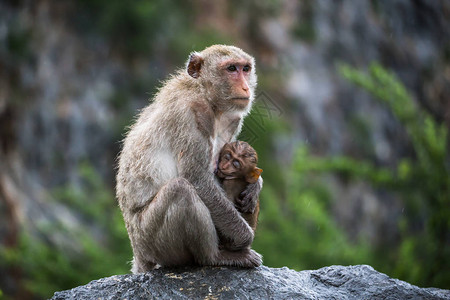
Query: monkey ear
(194,65)
(253,176)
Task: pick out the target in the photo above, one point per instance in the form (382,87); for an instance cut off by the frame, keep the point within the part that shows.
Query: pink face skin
(238,72)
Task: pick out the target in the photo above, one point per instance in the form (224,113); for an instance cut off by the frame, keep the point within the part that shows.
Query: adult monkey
(171,203)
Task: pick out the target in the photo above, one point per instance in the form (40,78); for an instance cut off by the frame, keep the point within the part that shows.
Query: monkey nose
(246,91)
(245,86)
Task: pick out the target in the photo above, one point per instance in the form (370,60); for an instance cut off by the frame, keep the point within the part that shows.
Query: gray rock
(335,282)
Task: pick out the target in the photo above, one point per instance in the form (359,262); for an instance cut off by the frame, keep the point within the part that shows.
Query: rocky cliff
(335,282)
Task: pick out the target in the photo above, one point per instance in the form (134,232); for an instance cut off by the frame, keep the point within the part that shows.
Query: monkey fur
(173,206)
(237,169)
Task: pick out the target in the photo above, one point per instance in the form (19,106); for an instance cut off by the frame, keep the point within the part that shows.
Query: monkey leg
(176,229)
(246,258)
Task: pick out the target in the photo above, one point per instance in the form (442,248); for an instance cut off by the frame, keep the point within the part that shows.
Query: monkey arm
(252,218)
(195,167)
(248,199)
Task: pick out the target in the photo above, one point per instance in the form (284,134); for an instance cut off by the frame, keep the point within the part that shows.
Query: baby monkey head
(238,160)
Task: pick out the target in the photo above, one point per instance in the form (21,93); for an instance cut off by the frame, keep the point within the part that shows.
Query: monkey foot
(246,258)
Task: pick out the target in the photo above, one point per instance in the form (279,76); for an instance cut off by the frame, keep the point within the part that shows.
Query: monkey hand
(247,200)
(230,244)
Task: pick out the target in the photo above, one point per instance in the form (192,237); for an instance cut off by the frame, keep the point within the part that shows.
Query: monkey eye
(232,68)
(246,68)
(236,164)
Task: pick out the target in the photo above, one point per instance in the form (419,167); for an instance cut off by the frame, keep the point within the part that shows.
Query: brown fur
(173,207)
(235,181)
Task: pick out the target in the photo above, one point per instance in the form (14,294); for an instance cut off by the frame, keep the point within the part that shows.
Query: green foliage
(429,139)
(295,228)
(346,166)
(423,256)
(299,232)
(296,225)
(74,254)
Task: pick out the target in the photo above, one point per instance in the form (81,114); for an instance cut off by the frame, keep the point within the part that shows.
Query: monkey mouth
(220,174)
(241,98)
(224,176)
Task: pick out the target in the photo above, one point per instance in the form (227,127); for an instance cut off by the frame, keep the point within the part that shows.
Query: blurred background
(350,122)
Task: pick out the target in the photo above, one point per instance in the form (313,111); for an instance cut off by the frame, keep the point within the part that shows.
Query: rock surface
(335,282)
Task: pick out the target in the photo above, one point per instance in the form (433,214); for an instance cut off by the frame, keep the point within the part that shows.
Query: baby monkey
(236,169)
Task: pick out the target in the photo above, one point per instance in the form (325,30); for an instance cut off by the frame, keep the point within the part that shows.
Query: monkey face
(237,72)
(230,166)
(238,161)
(227,73)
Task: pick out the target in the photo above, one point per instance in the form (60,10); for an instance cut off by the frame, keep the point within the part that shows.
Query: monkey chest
(225,130)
